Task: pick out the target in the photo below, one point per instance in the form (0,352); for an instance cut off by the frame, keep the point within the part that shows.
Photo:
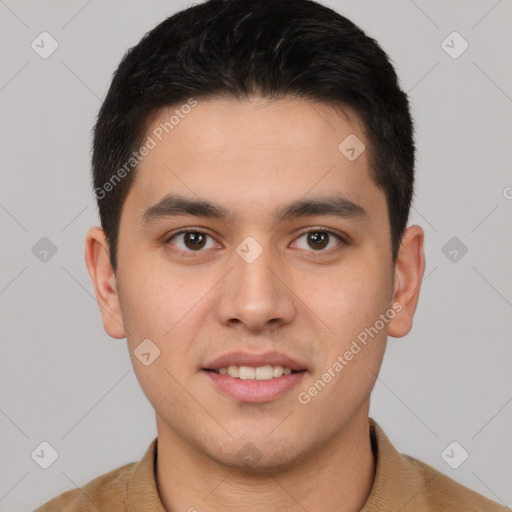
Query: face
(250,244)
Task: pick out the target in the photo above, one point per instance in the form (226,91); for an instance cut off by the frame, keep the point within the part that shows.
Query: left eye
(318,239)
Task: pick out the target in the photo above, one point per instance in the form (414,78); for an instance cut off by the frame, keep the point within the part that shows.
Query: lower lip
(255,391)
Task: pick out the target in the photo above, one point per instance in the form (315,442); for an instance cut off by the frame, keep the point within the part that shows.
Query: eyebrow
(173,205)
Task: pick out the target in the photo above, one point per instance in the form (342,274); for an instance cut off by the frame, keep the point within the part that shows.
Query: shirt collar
(397,485)
(142,488)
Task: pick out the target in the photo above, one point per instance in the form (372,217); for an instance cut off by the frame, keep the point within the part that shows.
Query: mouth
(254,378)
(266,372)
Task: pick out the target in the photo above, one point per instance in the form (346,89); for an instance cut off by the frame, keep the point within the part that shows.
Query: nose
(257,294)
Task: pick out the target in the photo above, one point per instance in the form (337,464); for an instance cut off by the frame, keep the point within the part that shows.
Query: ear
(409,270)
(104,281)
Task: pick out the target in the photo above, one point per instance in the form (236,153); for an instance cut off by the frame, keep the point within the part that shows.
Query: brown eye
(194,241)
(191,241)
(318,240)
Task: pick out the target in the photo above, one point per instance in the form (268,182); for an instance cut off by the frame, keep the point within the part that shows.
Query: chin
(262,457)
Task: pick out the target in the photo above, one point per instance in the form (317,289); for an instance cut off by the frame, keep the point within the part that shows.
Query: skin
(253,156)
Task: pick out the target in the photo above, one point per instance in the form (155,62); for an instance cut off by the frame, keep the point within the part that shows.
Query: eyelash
(314,230)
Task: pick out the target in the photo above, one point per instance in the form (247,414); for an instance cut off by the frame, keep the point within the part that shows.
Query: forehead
(223,123)
(255,153)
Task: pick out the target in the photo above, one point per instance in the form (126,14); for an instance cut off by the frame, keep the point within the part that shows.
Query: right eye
(191,240)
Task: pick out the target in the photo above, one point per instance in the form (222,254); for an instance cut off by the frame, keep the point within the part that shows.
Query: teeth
(246,373)
(233,371)
(266,372)
(278,371)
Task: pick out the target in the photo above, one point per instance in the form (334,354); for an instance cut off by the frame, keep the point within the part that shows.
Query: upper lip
(255,360)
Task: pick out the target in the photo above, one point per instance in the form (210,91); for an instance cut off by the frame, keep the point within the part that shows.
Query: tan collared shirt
(402,484)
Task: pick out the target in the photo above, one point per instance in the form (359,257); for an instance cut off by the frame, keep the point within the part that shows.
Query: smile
(266,372)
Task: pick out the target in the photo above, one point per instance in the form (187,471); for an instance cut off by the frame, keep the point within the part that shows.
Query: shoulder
(407,484)
(106,492)
(443,494)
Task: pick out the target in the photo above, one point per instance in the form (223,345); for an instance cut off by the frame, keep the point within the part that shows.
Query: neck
(338,476)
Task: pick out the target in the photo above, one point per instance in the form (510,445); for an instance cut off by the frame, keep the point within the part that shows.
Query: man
(254,168)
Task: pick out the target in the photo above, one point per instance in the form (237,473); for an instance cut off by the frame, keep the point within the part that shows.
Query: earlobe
(409,270)
(104,282)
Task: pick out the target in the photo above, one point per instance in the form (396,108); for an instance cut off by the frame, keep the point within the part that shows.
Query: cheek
(149,304)
(354,299)
(350,361)
(153,309)
(163,307)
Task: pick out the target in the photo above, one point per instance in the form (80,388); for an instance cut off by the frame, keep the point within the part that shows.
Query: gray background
(63,380)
